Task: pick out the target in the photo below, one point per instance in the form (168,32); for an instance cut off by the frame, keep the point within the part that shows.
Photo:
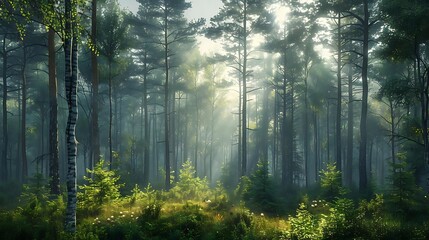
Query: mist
(226,119)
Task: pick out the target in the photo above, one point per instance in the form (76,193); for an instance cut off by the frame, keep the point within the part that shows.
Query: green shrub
(235,226)
(101,189)
(258,191)
(190,187)
(403,195)
(330,181)
(121,226)
(37,217)
(220,201)
(304,226)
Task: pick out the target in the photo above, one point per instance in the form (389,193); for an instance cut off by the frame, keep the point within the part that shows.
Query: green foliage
(39,216)
(102,188)
(220,201)
(304,226)
(330,181)
(36,191)
(259,192)
(236,226)
(403,195)
(339,223)
(121,225)
(190,187)
(146,196)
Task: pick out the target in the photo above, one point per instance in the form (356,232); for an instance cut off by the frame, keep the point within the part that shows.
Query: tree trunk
(95,134)
(211,139)
(197,131)
(146,141)
(339,96)
(110,116)
(275,134)
(5,128)
(71,97)
(392,129)
(244,92)
(350,118)
(166,101)
(24,170)
(316,146)
(54,171)
(363,179)
(306,126)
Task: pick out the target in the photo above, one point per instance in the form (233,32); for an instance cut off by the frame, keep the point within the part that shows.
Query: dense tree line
(294,86)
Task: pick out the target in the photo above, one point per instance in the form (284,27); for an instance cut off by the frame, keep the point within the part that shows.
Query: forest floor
(255,209)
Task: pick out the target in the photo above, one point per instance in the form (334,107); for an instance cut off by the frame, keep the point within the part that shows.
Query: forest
(258,119)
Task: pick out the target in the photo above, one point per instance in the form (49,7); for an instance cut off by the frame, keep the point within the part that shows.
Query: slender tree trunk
(166,102)
(71,97)
(5,128)
(291,136)
(95,135)
(275,134)
(316,145)
(264,127)
(306,126)
(328,139)
(363,179)
(211,140)
(110,116)
(392,130)
(173,132)
(24,173)
(54,171)
(339,96)
(240,126)
(244,92)
(350,119)
(146,155)
(197,130)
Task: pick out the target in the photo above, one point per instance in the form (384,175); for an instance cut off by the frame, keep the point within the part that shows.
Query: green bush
(259,194)
(190,187)
(304,226)
(220,201)
(235,226)
(330,181)
(37,217)
(404,197)
(101,189)
(339,223)
(121,226)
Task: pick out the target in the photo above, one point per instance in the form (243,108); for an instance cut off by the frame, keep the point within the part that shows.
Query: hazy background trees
(296,86)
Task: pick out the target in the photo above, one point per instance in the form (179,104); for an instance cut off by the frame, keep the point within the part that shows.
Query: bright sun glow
(209,47)
(324,52)
(281,13)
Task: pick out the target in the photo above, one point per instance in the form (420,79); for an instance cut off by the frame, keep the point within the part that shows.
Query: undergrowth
(192,210)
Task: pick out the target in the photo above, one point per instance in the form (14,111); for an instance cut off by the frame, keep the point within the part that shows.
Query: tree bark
(244,92)
(166,101)
(54,173)
(95,134)
(363,179)
(146,163)
(110,116)
(339,96)
(5,128)
(70,50)
(306,126)
(197,121)
(24,169)
(350,122)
